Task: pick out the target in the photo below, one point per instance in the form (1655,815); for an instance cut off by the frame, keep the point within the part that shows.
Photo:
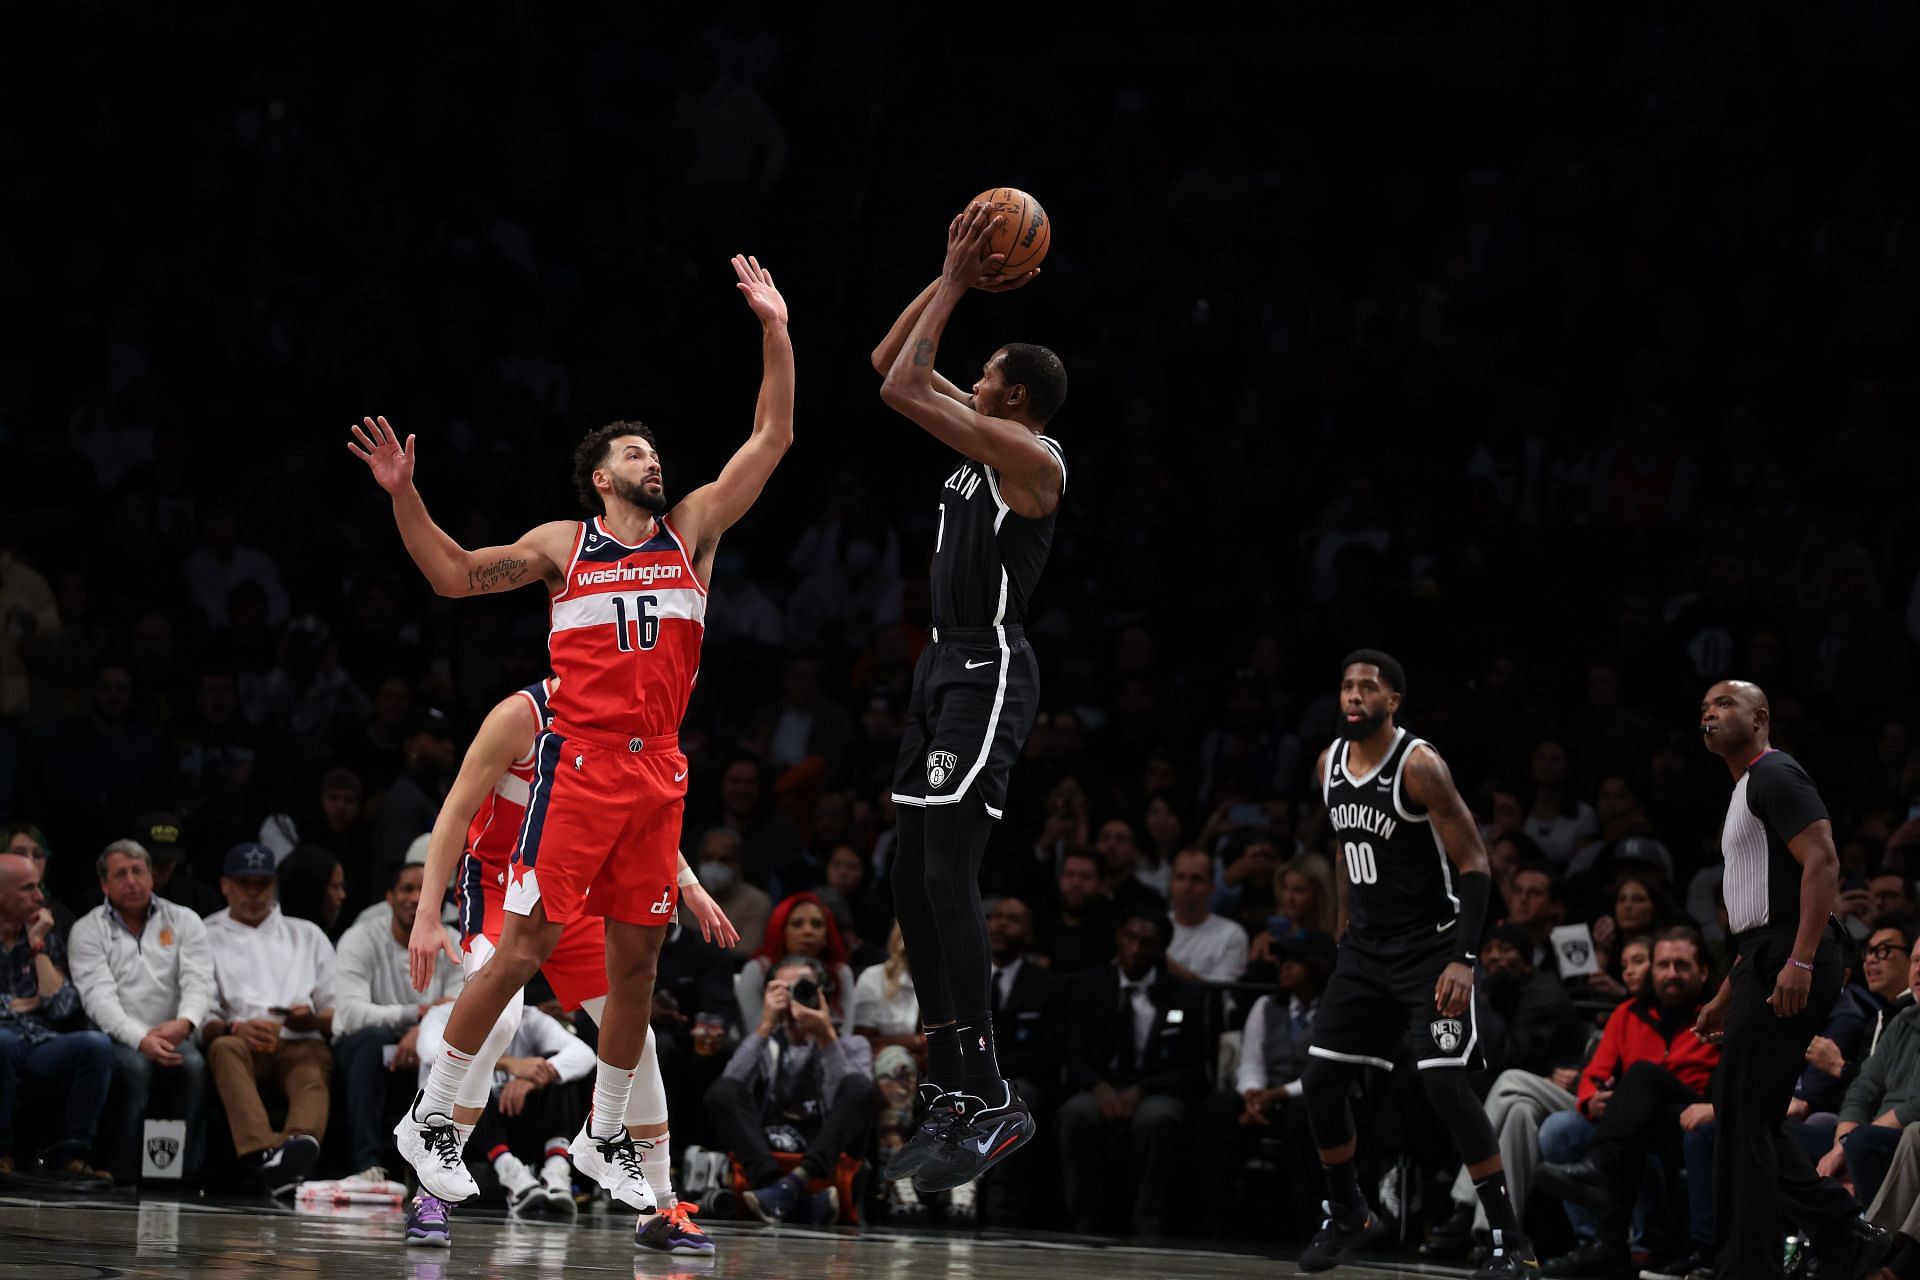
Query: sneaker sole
(418,1240)
(947,1180)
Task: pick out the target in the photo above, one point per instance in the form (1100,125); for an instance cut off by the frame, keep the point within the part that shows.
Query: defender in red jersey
(627,593)
(478,830)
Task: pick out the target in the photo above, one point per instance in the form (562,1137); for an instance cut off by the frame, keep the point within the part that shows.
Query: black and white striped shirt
(1773,802)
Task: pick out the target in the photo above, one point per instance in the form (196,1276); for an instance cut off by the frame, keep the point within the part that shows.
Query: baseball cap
(1513,935)
(248,858)
(417,851)
(1305,944)
(426,720)
(161,834)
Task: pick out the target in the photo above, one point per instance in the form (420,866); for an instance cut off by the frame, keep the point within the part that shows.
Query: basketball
(1025,233)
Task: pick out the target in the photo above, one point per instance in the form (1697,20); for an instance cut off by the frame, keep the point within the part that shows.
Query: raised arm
(540,555)
(505,735)
(896,341)
(1428,782)
(709,511)
(1031,476)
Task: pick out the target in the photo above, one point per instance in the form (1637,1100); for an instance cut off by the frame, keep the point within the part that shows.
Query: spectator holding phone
(794,1084)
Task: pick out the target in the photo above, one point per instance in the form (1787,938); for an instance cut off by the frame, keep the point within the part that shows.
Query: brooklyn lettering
(1348,816)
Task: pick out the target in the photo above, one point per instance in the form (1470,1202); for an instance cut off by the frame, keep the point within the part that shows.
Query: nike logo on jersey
(984,662)
(680,776)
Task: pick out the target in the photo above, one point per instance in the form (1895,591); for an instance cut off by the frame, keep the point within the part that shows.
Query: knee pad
(1452,1096)
(1326,1084)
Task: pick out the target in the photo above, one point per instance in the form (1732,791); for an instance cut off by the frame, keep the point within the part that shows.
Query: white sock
(449,1073)
(612,1086)
(656,1162)
(464,1132)
(512,1171)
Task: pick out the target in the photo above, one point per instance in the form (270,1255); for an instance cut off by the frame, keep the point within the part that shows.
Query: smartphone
(278,1012)
(806,992)
(1279,928)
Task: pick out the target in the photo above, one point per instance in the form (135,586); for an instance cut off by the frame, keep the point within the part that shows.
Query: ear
(1017,395)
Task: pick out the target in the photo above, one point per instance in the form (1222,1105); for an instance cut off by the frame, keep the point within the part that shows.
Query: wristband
(1800,964)
(687,878)
(1473,889)
(38,946)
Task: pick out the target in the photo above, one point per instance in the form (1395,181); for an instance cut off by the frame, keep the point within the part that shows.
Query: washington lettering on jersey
(1399,880)
(987,557)
(641,573)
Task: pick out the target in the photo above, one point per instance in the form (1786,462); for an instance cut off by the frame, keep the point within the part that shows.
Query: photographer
(796,1085)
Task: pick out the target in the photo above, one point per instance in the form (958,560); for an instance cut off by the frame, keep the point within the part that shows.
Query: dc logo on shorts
(939,768)
(1446,1034)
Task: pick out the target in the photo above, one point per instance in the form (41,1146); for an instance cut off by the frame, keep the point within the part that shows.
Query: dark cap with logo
(249,858)
(162,835)
(1306,944)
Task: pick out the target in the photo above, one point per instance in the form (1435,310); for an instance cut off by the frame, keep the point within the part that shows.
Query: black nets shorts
(1381,997)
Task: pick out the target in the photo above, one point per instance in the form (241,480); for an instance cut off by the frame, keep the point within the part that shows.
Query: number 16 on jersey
(648,624)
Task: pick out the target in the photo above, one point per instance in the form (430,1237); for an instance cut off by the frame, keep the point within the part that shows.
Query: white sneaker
(614,1163)
(432,1146)
(903,1202)
(962,1205)
(372,1174)
(556,1181)
(523,1190)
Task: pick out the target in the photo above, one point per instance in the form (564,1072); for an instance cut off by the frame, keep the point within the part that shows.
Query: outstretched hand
(968,240)
(379,447)
(756,283)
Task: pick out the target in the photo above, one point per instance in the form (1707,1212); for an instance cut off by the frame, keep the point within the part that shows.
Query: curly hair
(591,454)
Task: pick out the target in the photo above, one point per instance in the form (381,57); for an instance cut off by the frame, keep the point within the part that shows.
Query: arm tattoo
(923,353)
(505,572)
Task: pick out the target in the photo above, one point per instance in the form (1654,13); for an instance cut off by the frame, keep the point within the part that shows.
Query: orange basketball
(1024,233)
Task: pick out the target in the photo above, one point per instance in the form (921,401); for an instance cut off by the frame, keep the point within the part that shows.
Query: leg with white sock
(426,1135)
(604,1150)
(646,1114)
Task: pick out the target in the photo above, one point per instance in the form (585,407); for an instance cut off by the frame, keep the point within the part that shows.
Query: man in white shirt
(1265,1099)
(1206,947)
(145,974)
(538,1105)
(273,978)
(376,1007)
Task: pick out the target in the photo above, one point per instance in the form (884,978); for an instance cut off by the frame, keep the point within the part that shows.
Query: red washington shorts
(602,831)
(577,969)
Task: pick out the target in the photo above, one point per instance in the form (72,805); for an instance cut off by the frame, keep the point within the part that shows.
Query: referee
(1782,874)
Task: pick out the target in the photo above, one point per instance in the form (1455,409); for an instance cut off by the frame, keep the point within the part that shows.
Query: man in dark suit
(1028,1026)
(1078,934)
(1264,1098)
(1137,1056)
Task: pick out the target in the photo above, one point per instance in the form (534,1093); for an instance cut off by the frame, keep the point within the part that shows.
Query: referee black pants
(1762,1178)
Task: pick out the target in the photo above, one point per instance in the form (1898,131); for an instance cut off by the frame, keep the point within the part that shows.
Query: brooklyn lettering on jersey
(1364,817)
(987,557)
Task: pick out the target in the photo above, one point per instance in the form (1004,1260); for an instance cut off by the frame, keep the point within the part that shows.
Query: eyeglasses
(1885,950)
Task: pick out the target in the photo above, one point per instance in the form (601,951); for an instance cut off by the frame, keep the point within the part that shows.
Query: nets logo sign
(939,768)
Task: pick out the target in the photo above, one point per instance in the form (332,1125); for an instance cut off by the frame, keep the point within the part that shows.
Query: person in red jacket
(1648,1068)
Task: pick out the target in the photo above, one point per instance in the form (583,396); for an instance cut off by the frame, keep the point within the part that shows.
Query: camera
(806,992)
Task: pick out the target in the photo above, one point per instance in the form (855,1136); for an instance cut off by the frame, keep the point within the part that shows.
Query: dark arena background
(1565,352)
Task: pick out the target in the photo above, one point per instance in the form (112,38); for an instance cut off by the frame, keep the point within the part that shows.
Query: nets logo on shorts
(1446,1033)
(939,768)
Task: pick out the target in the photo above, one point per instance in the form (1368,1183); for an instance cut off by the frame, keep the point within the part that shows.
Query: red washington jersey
(625,635)
(494,833)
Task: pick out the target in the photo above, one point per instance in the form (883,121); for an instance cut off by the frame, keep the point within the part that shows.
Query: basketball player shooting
(1416,887)
(626,594)
(975,692)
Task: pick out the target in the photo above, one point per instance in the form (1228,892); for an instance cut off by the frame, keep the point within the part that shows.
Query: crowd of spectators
(1562,353)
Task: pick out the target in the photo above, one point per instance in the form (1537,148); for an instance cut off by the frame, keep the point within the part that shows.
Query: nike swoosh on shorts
(984,662)
(680,776)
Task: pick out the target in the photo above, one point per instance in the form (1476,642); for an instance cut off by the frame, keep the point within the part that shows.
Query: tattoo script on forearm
(504,572)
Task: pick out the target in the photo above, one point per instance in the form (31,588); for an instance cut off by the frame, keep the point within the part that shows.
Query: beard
(641,497)
(1365,727)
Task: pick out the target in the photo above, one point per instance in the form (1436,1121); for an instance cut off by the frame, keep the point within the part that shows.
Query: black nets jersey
(987,557)
(1399,881)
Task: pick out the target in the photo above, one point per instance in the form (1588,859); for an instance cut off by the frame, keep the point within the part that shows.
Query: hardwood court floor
(161,1239)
